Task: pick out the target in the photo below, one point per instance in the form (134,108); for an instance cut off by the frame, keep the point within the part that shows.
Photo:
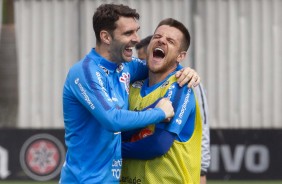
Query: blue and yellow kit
(182,162)
(95,105)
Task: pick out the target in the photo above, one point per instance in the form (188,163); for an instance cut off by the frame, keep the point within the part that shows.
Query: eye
(128,33)
(156,36)
(171,41)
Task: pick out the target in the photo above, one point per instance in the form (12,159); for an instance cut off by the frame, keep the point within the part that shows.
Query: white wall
(47,39)
(238,52)
(236,48)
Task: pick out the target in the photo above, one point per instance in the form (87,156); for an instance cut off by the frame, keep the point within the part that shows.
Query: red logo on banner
(42,156)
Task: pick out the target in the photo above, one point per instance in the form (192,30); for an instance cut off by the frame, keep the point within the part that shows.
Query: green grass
(208,182)
(243,182)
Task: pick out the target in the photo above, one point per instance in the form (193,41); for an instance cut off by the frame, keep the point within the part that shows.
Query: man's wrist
(203,173)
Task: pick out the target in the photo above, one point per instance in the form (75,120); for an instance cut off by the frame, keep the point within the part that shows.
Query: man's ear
(105,37)
(181,56)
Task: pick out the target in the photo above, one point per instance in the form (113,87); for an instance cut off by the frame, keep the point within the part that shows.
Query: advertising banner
(31,154)
(239,154)
(246,154)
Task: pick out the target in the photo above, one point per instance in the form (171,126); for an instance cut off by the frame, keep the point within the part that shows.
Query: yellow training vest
(180,165)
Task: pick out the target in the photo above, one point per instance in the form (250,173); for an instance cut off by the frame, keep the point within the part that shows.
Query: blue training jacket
(95,103)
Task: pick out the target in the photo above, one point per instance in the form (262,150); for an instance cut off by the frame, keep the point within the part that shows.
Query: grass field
(209,182)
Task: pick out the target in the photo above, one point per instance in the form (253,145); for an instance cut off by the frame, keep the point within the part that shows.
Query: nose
(162,40)
(135,38)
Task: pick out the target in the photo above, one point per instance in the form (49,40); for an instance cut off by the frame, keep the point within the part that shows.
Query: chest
(117,86)
(138,102)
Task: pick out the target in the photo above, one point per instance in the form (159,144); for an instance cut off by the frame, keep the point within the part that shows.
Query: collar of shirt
(102,61)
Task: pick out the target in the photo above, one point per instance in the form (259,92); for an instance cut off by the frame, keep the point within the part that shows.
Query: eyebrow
(167,38)
(131,31)
(171,39)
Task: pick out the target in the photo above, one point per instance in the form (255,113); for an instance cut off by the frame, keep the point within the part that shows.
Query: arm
(203,179)
(182,124)
(126,135)
(201,97)
(91,91)
(138,69)
(162,139)
(150,147)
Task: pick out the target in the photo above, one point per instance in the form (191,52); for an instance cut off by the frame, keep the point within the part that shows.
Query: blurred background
(236,48)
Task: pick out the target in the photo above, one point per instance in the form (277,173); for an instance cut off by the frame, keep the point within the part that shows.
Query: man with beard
(95,99)
(167,153)
(199,90)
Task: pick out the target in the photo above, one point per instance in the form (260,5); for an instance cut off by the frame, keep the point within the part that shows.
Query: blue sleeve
(138,70)
(184,104)
(126,135)
(89,87)
(150,147)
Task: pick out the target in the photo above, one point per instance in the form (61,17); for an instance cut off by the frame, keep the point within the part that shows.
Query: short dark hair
(144,42)
(106,16)
(178,25)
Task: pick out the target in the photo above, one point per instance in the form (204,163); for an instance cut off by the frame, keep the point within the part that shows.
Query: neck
(103,51)
(156,77)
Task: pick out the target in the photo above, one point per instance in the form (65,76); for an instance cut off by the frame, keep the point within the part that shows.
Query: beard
(164,68)
(115,53)
(119,51)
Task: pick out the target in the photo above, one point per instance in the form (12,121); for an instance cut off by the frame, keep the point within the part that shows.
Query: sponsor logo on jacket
(125,79)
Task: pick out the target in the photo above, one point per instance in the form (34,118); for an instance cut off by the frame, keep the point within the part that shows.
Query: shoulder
(137,84)
(136,61)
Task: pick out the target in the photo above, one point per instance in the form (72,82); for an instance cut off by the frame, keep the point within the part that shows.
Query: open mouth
(128,51)
(158,53)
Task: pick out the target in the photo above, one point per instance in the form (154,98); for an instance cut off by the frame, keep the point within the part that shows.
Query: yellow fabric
(180,165)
